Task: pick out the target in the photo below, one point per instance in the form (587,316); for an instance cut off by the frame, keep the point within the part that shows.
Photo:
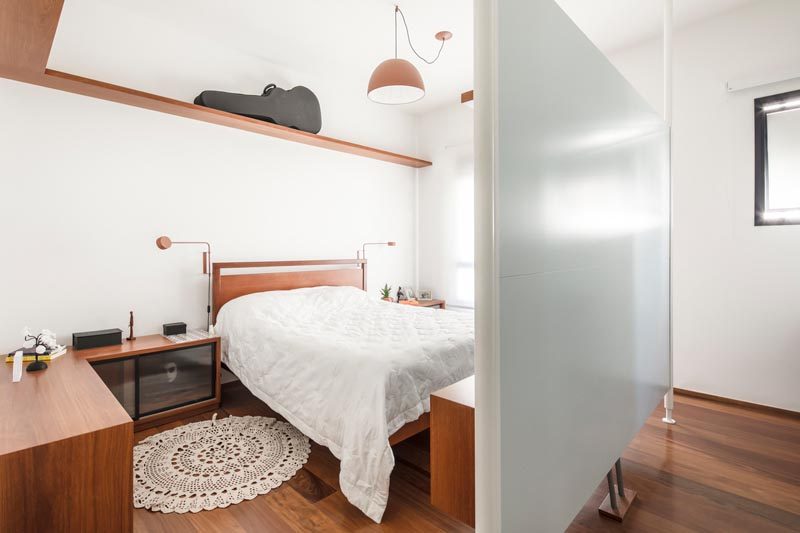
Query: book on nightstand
(29,355)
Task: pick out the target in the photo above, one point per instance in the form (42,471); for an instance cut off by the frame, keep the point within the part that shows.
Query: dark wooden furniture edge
(740,403)
(121,350)
(179,413)
(305,262)
(410,429)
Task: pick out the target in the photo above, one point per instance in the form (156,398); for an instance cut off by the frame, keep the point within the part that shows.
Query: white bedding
(347,370)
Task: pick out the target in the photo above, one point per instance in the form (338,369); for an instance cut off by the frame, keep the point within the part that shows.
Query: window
(777,125)
(465,236)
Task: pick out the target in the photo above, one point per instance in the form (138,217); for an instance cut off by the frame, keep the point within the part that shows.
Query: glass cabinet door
(119,375)
(176,377)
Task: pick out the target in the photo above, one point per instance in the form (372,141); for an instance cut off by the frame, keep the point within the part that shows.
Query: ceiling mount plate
(444,36)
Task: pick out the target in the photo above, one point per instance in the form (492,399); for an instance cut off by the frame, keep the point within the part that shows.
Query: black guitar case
(296,108)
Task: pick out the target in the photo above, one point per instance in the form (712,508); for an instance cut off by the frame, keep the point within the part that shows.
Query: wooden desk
(453,450)
(66,451)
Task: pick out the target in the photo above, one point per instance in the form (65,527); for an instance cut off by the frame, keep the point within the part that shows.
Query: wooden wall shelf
(29,27)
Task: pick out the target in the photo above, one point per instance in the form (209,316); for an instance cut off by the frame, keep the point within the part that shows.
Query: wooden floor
(721,469)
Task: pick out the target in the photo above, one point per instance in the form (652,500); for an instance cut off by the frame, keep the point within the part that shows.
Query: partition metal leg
(619,499)
(669,404)
(611,492)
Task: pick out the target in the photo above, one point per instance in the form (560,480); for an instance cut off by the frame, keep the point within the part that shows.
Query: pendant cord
(408,35)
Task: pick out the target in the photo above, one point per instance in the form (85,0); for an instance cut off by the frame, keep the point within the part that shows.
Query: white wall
(736,286)
(105,180)
(88,185)
(446,217)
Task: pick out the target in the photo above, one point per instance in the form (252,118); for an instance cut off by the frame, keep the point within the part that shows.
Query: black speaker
(95,339)
(175,328)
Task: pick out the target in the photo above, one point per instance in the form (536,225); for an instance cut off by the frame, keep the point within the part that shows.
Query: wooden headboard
(353,272)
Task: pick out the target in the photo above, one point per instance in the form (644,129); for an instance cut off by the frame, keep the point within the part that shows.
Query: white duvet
(346,370)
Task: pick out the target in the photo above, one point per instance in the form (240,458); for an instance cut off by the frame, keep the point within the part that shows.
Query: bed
(352,372)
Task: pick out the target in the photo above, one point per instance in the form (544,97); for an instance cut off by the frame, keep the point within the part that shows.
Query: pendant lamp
(397,81)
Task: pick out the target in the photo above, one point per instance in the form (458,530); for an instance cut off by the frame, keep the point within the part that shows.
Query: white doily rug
(205,465)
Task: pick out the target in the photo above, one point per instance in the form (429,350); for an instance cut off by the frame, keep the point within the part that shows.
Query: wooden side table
(453,450)
(441,304)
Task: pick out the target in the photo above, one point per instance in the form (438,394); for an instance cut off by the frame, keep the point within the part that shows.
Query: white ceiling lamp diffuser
(397,81)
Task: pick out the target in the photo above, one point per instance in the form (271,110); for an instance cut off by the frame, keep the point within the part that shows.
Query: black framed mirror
(777,151)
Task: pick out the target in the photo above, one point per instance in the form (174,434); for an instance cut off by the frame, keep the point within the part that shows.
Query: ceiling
(340,40)
(615,24)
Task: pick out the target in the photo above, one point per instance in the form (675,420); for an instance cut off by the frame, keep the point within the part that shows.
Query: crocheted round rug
(206,465)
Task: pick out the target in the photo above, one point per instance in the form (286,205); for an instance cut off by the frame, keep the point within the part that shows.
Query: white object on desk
(191,335)
(16,370)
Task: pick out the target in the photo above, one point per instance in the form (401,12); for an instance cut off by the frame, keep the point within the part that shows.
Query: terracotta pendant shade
(395,81)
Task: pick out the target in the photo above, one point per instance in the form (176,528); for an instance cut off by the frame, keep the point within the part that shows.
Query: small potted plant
(386,293)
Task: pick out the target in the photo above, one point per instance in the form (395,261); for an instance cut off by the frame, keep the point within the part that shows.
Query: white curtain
(446,231)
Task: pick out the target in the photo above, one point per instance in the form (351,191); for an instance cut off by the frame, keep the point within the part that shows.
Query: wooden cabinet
(175,378)
(66,434)
(453,450)
(66,451)
(119,375)
(154,378)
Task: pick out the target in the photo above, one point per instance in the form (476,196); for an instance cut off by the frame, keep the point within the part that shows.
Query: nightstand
(441,304)
(155,379)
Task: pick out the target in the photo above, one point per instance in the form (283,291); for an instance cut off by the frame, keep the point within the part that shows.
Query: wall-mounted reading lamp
(165,243)
(364,248)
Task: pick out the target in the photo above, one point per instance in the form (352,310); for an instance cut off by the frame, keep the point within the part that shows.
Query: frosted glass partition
(582,213)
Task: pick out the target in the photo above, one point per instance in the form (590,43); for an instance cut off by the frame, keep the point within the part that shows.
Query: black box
(175,328)
(95,339)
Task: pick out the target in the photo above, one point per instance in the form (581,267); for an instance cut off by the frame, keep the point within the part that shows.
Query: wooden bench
(453,450)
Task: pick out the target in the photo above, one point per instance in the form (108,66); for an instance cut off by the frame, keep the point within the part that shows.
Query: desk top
(69,398)
(66,400)
(462,392)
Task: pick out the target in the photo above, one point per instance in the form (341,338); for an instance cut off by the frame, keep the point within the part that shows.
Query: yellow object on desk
(28,357)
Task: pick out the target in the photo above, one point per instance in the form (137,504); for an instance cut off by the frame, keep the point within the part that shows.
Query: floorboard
(721,468)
